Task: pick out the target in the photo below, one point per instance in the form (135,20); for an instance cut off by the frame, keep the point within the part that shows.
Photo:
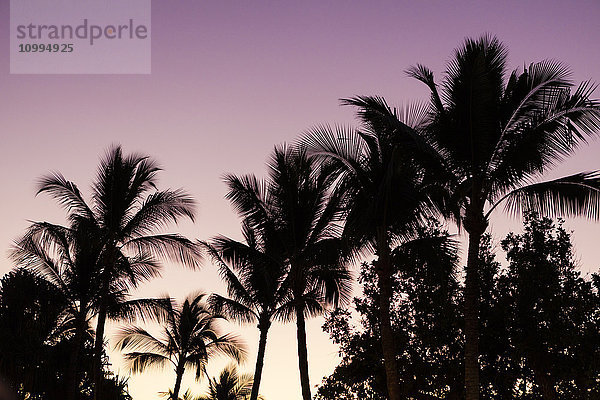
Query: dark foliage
(425,316)
(540,326)
(36,339)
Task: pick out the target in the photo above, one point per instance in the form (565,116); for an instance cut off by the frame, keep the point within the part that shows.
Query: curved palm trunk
(302,353)
(262,346)
(98,347)
(179,377)
(72,381)
(388,346)
(472,311)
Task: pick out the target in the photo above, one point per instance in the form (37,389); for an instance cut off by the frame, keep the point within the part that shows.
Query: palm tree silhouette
(230,385)
(254,273)
(189,339)
(489,141)
(300,206)
(68,259)
(389,199)
(127,210)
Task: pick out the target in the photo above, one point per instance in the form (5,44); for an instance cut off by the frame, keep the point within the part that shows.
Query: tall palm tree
(68,259)
(230,385)
(300,205)
(254,273)
(189,339)
(127,210)
(490,140)
(390,197)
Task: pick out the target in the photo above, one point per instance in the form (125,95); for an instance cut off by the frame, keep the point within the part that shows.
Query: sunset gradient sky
(232,79)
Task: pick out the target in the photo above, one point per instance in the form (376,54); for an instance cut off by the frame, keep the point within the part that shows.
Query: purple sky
(228,82)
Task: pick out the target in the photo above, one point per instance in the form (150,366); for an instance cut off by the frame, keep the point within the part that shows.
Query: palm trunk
(472,316)
(98,347)
(262,346)
(302,353)
(179,377)
(72,372)
(98,374)
(388,346)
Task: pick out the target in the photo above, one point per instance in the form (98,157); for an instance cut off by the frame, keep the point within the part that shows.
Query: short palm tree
(254,273)
(389,199)
(299,204)
(189,339)
(126,211)
(490,140)
(230,385)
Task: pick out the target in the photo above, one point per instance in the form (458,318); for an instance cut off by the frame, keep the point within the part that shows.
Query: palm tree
(390,197)
(185,396)
(127,210)
(68,259)
(231,385)
(189,339)
(254,273)
(301,209)
(490,140)
(497,137)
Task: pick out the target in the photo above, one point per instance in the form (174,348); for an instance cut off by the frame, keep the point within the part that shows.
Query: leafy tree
(488,138)
(188,340)
(254,275)
(298,206)
(37,337)
(425,321)
(539,326)
(126,211)
(553,312)
(31,312)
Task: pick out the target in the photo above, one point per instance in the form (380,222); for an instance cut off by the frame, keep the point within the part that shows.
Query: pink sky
(228,82)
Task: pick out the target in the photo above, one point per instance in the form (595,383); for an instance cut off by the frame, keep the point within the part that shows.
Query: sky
(229,81)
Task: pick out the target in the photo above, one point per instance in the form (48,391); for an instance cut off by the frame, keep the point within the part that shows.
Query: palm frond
(139,362)
(229,345)
(574,195)
(132,337)
(170,246)
(425,75)
(159,210)
(152,309)
(335,284)
(232,309)
(550,124)
(338,145)
(66,193)
(248,195)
